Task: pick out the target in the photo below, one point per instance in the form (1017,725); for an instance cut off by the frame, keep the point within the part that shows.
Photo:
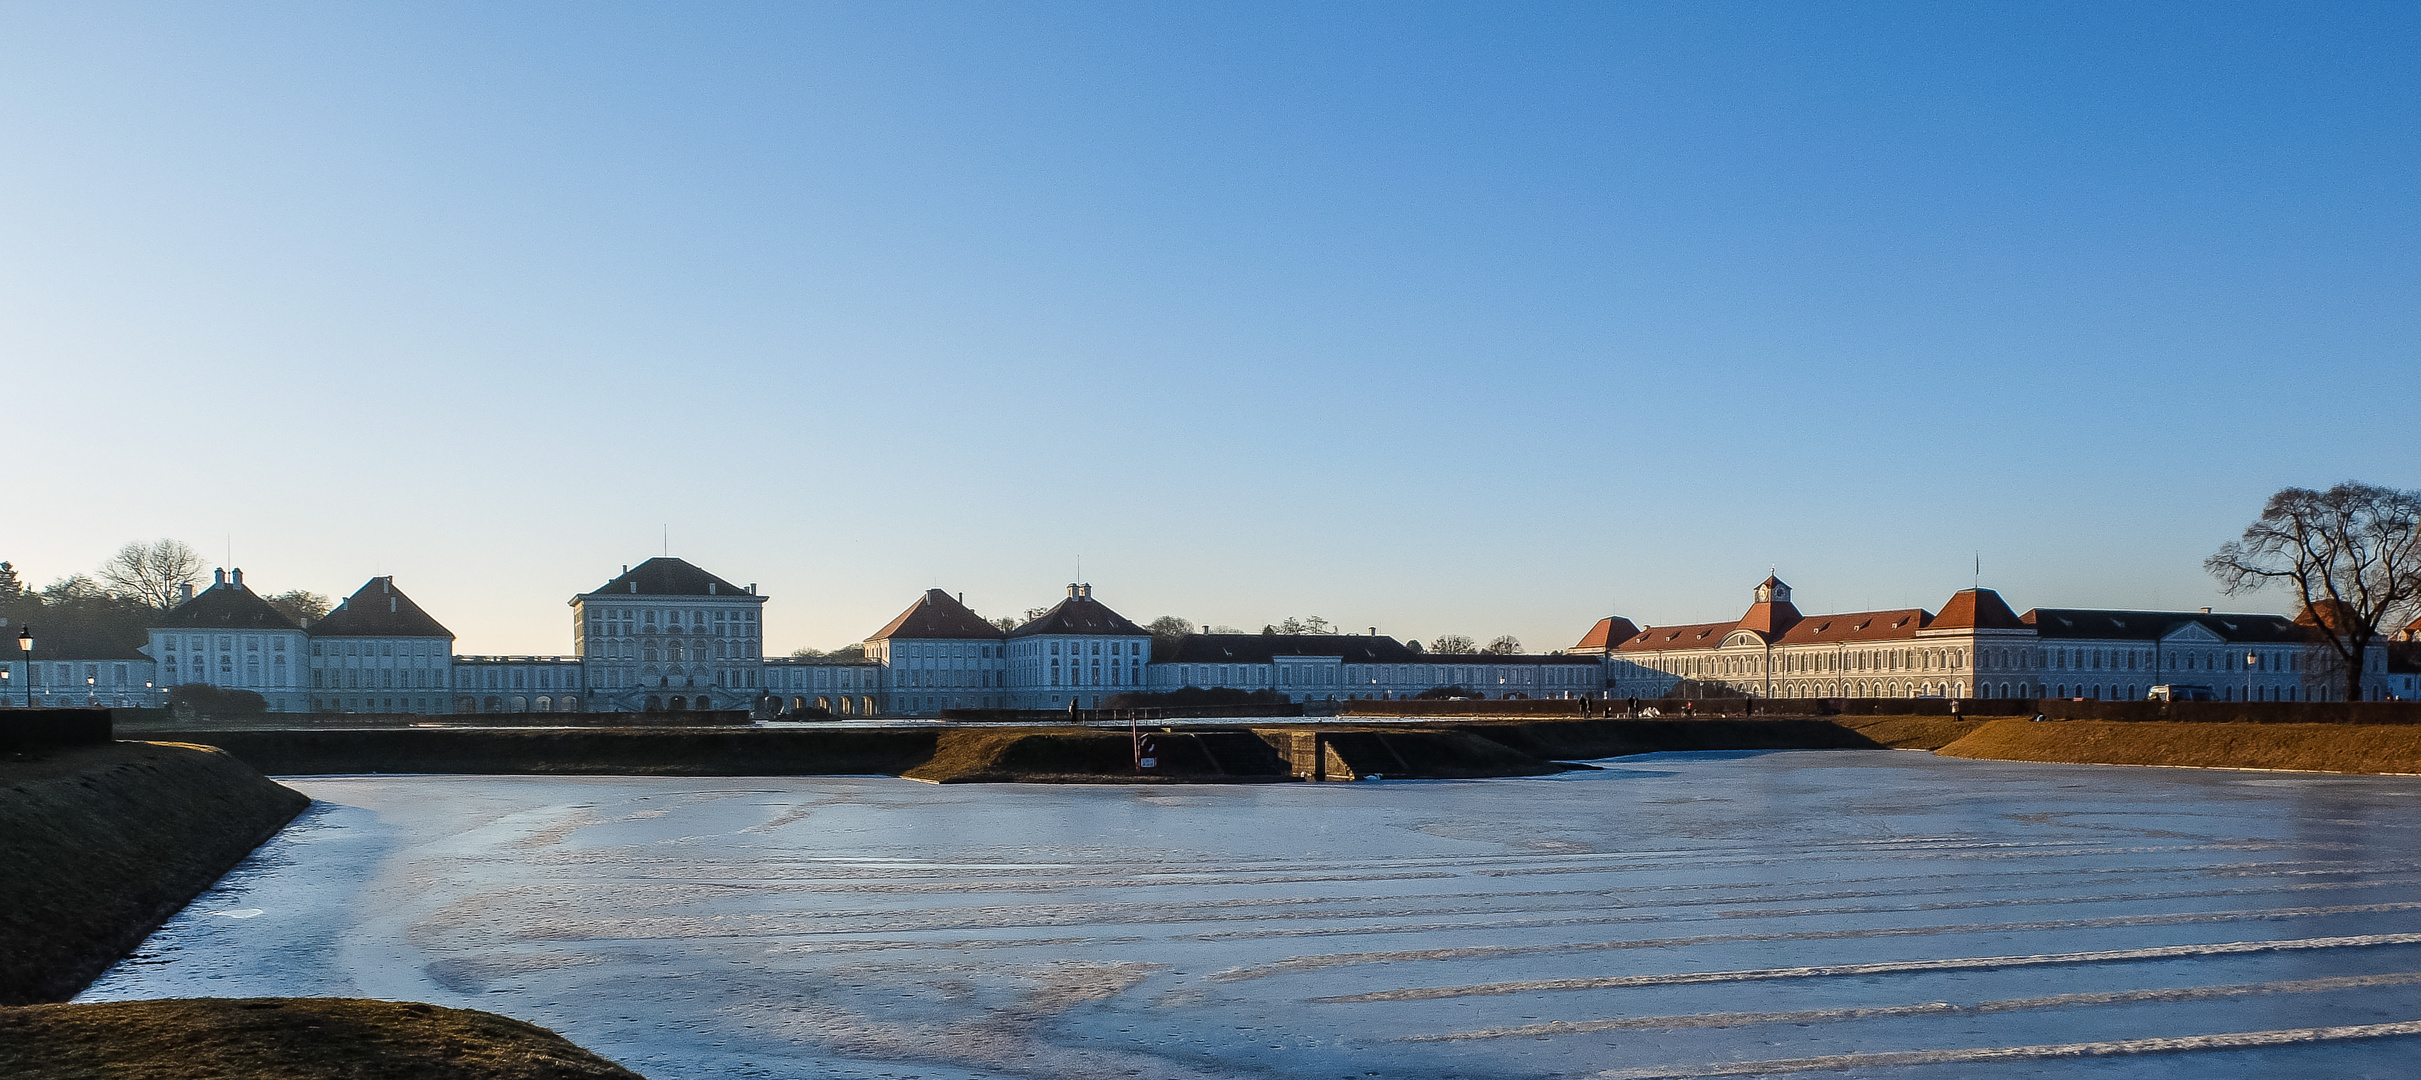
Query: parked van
(2181,693)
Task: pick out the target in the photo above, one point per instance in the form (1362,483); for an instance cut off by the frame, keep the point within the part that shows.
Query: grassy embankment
(284,1039)
(100,844)
(2340,748)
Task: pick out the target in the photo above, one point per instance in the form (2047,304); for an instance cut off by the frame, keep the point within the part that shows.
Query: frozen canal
(1876,913)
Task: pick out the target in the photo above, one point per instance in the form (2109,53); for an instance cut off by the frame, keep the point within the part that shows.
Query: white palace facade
(666,635)
(1976,647)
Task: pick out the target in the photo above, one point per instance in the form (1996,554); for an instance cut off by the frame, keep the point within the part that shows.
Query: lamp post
(25,644)
(92,693)
(2250,658)
(4,702)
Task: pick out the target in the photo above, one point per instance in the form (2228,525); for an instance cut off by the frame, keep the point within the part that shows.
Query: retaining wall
(159,722)
(22,730)
(623,751)
(2199,712)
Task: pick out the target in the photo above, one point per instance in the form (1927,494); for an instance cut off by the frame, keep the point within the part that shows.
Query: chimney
(239,577)
(218,577)
(962,599)
(185,592)
(752,588)
(626,568)
(1072,593)
(386,584)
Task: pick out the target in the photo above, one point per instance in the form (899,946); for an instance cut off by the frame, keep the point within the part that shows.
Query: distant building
(228,637)
(514,684)
(1976,647)
(1079,652)
(668,636)
(378,652)
(1342,667)
(940,655)
(843,688)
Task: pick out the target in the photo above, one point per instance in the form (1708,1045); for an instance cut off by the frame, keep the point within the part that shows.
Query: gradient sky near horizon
(1467,319)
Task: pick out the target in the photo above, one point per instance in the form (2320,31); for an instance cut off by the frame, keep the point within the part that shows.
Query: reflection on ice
(1674,915)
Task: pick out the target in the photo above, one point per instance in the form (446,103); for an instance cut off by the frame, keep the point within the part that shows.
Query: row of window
(380,648)
(351,679)
(226,643)
(922,650)
(1114,648)
(627,621)
(69,674)
(674,650)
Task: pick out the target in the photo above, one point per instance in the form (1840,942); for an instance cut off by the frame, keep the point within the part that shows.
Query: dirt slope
(2346,748)
(100,844)
(284,1039)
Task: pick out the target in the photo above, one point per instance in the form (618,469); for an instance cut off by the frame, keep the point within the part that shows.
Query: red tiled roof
(1609,632)
(1663,638)
(1977,609)
(1896,625)
(937,615)
(379,610)
(1770,619)
(2334,614)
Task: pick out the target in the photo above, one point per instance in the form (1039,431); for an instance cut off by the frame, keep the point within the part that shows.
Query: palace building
(1976,647)
(669,636)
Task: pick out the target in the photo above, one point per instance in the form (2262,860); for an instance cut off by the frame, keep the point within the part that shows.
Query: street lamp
(25,644)
(91,693)
(2250,658)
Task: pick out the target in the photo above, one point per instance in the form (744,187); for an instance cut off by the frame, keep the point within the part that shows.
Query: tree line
(109,610)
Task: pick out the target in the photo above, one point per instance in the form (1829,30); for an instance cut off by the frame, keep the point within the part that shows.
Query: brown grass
(1003,755)
(2342,748)
(99,844)
(284,1039)
(1911,732)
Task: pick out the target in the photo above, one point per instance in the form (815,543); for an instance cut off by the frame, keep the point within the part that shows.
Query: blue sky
(1476,319)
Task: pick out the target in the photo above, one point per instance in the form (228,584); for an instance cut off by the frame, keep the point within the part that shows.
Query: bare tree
(1006,622)
(154,573)
(1505,645)
(2352,554)
(1168,631)
(299,605)
(1453,644)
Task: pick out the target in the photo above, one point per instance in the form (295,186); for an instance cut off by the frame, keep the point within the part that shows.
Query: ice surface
(1851,913)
